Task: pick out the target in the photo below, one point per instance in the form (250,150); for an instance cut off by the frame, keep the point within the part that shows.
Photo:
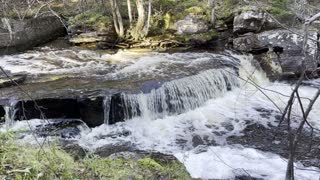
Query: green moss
(148,163)
(26,162)
(94,20)
(226,9)
(19,161)
(279,8)
(200,37)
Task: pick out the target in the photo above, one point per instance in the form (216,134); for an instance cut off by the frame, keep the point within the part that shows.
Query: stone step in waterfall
(170,98)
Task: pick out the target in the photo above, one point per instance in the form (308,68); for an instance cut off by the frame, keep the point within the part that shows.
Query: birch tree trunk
(138,30)
(149,17)
(129,11)
(117,19)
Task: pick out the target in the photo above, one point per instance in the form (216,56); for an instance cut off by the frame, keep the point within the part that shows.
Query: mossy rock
(200,38)
(91,20)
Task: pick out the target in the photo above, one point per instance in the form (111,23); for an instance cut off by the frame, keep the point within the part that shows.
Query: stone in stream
(15,79)
(275,139)
(64,128)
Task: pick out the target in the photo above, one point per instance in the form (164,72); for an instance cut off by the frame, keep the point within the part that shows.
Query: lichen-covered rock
(191,25)
(281,48)
(288,46)
(20,35)
(253,20)
(247,42)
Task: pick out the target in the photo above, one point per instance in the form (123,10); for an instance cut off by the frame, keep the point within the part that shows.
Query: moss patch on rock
(95,20)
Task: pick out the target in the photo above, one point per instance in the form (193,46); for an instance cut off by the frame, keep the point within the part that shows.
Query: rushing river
(196,100)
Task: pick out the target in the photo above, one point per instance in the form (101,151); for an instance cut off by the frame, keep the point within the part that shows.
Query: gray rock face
(292,57)
(191,25)
(252,21)
(20,35)
(283,47)
(247,42)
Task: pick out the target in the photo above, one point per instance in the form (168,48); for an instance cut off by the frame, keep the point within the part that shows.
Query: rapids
(195,107)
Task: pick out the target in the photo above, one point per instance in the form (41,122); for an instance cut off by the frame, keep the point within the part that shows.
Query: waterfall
(180,95)
(10,113)
(106,108)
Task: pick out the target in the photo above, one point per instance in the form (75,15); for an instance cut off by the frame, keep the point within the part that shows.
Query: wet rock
(275,140)
(64,128)
(139,154)
(73,148)
(109,149)
(191,25)
(91,111)
(197,140)
(6,82)
(252,20)
(48,108)
(247,177)
(21,35)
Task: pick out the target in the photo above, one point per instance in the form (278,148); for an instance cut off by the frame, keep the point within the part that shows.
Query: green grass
(27,162)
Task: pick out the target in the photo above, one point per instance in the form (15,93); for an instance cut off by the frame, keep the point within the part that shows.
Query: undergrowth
(22,161)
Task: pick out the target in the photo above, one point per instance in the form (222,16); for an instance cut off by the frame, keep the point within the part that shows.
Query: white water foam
(174,134)
(229,161)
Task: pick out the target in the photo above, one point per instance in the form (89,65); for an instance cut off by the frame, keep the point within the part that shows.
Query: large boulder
(247,42)
(288,46)
(281,47)
(191,24)
(253,20)
(20,35)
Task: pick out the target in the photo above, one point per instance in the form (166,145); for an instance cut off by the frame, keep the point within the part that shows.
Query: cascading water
(106,109)
(180,95)
(193,113)
(10,113)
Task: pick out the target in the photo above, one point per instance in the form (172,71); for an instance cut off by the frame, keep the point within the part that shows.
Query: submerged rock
(12,81)
(275,139)
(64,128)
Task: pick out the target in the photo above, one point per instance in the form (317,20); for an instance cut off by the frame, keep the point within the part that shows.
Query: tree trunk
(129,11)
(121,29)
(149,17)
(212,4)
(117,19)
(138,30)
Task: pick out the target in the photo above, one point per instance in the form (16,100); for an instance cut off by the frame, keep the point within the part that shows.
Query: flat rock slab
(74,83)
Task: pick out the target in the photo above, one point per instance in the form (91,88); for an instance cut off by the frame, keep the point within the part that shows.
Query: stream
(194,105)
